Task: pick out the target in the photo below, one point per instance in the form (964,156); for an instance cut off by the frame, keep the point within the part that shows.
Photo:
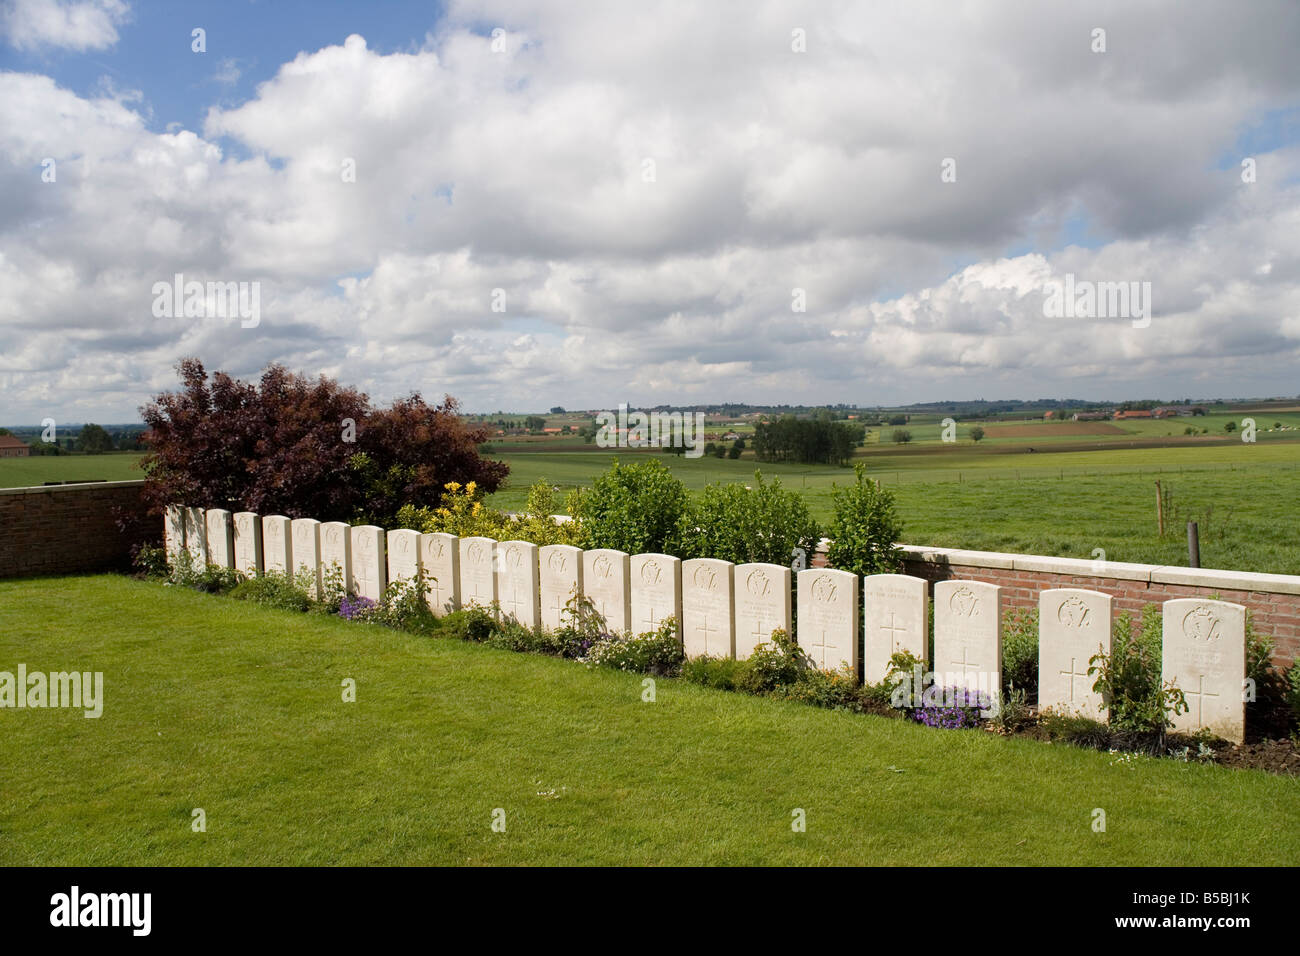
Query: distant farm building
(1134,413)
(1090,416)
(11,447)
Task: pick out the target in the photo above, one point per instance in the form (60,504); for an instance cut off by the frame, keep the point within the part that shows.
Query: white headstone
(440,557)
(196,537)
(828,617)
(605,583)
(403,555)
(762,605)
(174,531)
(306,552)
(895,618)
(221,537)
(248,543)
(517,583)
(656,591)
(277,544)
(368,579)
(708,622)
(968,636)
(478,580)
(1073,625)
(560,579)
(1204,652)
(336,555)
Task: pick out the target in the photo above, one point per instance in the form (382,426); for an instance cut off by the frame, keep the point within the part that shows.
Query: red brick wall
(69,529)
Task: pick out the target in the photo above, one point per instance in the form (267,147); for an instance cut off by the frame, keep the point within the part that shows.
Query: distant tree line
(813,441)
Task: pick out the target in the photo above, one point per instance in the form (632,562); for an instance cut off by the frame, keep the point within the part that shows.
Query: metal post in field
(1193,545)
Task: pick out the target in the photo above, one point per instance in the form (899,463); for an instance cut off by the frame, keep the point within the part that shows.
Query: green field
(986,496)
(215,704)
(1063,504)
(118,466)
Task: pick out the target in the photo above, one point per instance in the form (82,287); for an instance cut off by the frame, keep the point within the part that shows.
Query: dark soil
(1280,755)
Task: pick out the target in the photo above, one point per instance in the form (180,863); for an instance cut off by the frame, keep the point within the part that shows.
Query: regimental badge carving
(1074,612)
(964,602)
(475,553)
(705,578)
(602,566)
(824,589)
(651,573)
(1201,624)
(758,583)
(558,562)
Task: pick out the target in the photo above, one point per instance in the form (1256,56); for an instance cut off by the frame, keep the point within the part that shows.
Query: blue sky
(503,240)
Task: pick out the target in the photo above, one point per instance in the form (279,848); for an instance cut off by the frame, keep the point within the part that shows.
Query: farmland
(1070,495)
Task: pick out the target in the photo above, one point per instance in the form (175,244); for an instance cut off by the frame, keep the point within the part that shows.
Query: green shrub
(719,672)
(183,572)
(463,512)
(1129,678)
(273,589)
(773,663)
(468,624)
(864,528)
(834,691)
(404,606)
(761,522)
(658,653)
(633,508)
(150,562)
(510,635)
(332,591)
(1271,713)
(1012,714)
(1074,729)
(1020,651)
(879,697)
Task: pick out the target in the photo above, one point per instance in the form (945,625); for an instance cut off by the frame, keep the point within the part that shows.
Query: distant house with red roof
(1135,413)
(11,447)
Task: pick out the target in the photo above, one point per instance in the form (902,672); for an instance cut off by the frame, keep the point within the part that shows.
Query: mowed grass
(36,470)
(215,704)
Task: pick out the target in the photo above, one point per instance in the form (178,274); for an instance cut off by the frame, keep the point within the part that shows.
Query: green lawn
(38,469)
(212,703)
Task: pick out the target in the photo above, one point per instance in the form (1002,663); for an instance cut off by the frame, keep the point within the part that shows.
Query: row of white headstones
(725,610)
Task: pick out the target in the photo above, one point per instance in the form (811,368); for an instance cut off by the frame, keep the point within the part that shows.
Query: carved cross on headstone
(1071,674)
(823,645)
(1200,694)
(893,630)
(704,628)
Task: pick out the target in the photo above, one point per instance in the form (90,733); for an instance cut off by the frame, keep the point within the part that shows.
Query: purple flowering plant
(355,608)
(955,708)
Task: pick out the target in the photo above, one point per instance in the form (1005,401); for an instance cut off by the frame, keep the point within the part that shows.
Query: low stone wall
(1274,599)
(71,529)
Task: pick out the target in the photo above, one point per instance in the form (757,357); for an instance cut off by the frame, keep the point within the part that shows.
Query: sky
(529,204)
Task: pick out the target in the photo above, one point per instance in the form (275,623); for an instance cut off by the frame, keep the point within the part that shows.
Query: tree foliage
(864,528)
(304,447)
(633,508)
(94,440)
(739,523)
(807,441)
